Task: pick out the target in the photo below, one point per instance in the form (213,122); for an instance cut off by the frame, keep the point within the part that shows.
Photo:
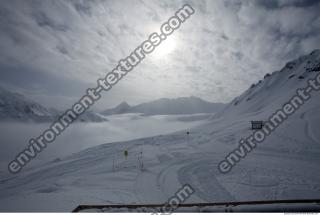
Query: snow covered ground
(84,135)
(284,166)
(88,177)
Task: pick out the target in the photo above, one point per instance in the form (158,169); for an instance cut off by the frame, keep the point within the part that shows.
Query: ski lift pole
(113,163)
(188,137)
(125,154)
(141,160)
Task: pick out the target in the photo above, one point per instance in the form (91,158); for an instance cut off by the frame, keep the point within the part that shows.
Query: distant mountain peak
(123,104)
(119,109)
(165,106)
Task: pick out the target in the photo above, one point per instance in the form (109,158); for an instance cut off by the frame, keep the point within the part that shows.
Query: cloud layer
(54,50)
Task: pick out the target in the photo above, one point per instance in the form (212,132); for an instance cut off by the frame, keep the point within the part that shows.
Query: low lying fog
(15,136)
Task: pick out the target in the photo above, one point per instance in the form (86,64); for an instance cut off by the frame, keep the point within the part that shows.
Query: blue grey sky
(53,50)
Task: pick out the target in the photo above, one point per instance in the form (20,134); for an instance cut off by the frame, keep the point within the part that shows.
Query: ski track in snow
(170,161)
(201,175)
(284,166)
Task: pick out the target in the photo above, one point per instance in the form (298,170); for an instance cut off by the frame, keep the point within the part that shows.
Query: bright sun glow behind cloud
(165,48)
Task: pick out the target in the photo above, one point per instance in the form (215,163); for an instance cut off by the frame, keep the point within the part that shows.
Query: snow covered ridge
(165,106)
(16,107)
(246,145)
(275,88)
(285,166)
(274,100)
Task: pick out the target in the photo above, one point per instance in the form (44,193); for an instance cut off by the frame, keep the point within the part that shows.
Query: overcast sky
(53,50)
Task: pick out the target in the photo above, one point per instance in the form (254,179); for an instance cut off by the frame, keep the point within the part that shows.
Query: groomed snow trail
(284,166)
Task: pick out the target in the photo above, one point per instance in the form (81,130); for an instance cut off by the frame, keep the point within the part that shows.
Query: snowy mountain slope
(169,161)
(123,107)
(16,107)
(275,88)
(284,166)
(164,106)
